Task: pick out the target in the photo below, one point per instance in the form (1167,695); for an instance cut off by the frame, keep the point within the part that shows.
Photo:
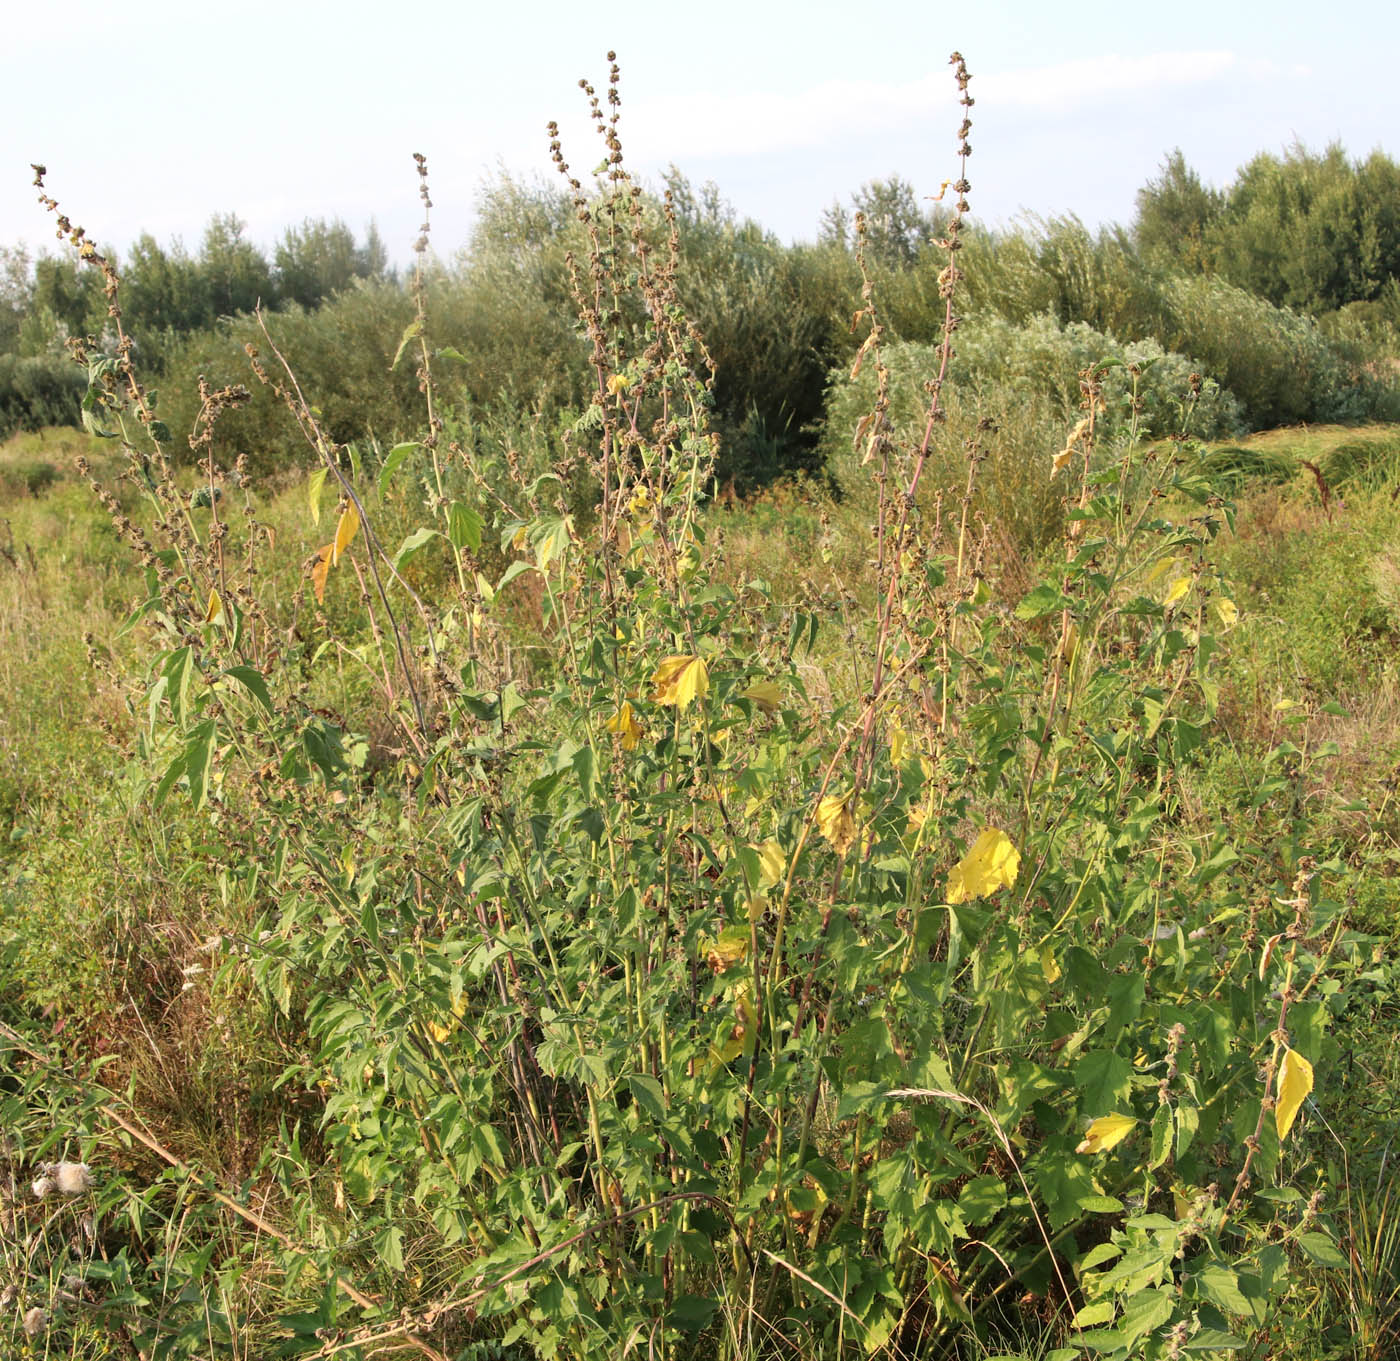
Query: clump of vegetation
(545,940)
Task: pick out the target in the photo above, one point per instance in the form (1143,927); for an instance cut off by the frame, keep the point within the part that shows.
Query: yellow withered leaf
(1295,1081)
(1108,1131)
(772,864)
(835,823)
(1226,611)
(320,569)
(214,608)
(728,948)
(1071,441)
(765,694)
(617,383)
(1270,946)
(624,724)
(679,680)
(899,745)
(345,531)
(992,863)
(1176,591)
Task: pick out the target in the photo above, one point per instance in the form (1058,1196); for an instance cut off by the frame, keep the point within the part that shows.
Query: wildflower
(42,1187)
(35,1321)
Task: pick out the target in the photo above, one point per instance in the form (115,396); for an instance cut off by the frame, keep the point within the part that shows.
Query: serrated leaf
(648,1095)
(1322,1250)
(464,527)
(1044,599)
(1218,1284)
(392,461)
(412,331)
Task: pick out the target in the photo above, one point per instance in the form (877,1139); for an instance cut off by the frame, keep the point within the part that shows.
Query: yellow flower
(617,383)
(625,725)
(679,680)
(991,864)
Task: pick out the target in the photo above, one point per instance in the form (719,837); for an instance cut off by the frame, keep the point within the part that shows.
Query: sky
(151,116)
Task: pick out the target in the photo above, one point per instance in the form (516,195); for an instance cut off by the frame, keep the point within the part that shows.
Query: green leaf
(253,681)
(692,1313)
(550,538)
(1104,1080)
(199,753)
(410,547)
(464,527)
(981,1199)
(1044,599)
(1161,1137)
(389,1245)
(1144,1311)
(1218,1284)
(1188,1121)
(646,1091)
(392,461)
(517,568)
(511,702)
(412,331)
(314,483)
(1091,1315)
(1214,1340)
(178,668)
(1320,1249)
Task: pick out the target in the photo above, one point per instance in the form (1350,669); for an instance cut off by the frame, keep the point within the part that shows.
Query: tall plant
(653,1000)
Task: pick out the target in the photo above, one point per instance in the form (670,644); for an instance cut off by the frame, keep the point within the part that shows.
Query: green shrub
(39,391)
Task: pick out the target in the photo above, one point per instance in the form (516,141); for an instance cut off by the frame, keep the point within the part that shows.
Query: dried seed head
(72,1179)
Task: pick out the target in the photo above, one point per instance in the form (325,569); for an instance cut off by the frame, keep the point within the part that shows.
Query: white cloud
(704,125)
